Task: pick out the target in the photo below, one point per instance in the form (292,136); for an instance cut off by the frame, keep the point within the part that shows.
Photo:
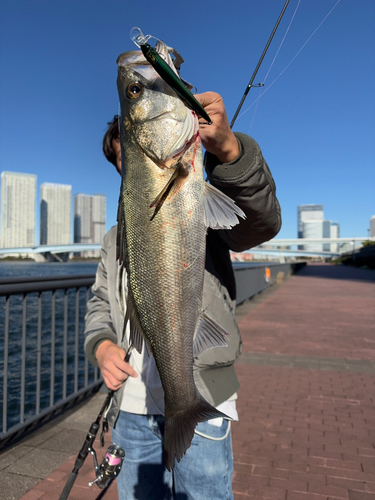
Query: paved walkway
(307,409)
(306,403)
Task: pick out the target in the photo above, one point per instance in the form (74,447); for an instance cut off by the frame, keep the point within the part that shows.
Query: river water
(30,268)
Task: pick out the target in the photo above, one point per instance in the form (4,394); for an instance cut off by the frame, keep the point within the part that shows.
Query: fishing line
(282,41)
(283,71)
(212,438)
(250,84)
(272,63)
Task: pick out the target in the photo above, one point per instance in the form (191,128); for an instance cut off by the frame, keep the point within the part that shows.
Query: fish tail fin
(180,426)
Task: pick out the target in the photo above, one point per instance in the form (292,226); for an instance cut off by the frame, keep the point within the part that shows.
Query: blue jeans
(205,472)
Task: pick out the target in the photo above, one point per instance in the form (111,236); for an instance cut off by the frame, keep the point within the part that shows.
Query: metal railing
(253,279)
(44,367)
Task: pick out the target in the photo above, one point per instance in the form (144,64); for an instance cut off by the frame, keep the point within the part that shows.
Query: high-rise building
(307,215)
(89,220)
(55,214)
(18,209)
(316,229)
(335,233)
(98,217)
(372,226)
(82,218)
(308,212)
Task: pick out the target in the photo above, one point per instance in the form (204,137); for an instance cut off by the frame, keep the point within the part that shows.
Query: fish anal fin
(136,332)
(220,211)
(148,347)
(209,334)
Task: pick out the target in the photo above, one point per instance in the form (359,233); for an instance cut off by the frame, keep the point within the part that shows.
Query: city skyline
(29,220)
(310,217)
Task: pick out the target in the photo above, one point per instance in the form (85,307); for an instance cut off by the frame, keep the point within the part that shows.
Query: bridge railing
(44,370)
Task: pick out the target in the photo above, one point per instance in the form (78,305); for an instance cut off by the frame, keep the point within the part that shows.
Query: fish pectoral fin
(220,211)
(209,334)
(159,200)
(136,332)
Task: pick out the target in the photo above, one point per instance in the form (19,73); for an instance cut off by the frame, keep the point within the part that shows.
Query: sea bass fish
(164,211)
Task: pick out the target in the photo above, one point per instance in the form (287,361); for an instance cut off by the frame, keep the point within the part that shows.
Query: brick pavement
(306,403)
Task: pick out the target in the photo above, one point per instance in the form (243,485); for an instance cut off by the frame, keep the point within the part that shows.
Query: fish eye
(134,90)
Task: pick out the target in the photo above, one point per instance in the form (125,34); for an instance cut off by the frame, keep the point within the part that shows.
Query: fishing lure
(166,73)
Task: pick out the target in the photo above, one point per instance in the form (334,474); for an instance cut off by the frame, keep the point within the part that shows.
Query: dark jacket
(248,181)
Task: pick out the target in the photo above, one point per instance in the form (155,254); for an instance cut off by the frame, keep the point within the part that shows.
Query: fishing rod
(111,465)
(250,84)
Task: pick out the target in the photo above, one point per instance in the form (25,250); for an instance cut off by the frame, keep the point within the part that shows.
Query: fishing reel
(110,467)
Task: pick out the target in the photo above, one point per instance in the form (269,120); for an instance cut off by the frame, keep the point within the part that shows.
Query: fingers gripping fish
(164,211)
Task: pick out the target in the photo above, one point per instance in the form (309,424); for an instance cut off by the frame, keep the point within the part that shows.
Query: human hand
(218,137)
(111,362)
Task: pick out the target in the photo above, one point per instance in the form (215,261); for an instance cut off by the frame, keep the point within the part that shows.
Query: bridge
(283,246)
(61,252)
(51,253)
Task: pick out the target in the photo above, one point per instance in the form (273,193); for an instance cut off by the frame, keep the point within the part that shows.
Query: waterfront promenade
(306,403)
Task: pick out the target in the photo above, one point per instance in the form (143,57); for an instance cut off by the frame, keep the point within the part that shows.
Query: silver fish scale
(166,269)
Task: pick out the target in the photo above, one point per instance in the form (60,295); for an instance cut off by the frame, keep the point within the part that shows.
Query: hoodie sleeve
(248,181)
(99,324)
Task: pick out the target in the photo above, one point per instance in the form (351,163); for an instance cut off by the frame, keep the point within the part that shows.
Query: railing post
(6,354)
(65,349)
(23,358)
(53,337)
(86,360)
(76,343)
(39,355)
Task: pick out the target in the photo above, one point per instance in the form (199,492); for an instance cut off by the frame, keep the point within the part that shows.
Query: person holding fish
(165,288)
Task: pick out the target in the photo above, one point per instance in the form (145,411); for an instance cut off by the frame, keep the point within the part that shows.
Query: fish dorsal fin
(220,211)
(209,334)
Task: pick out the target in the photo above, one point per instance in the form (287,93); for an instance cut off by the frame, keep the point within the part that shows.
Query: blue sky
(315,124)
